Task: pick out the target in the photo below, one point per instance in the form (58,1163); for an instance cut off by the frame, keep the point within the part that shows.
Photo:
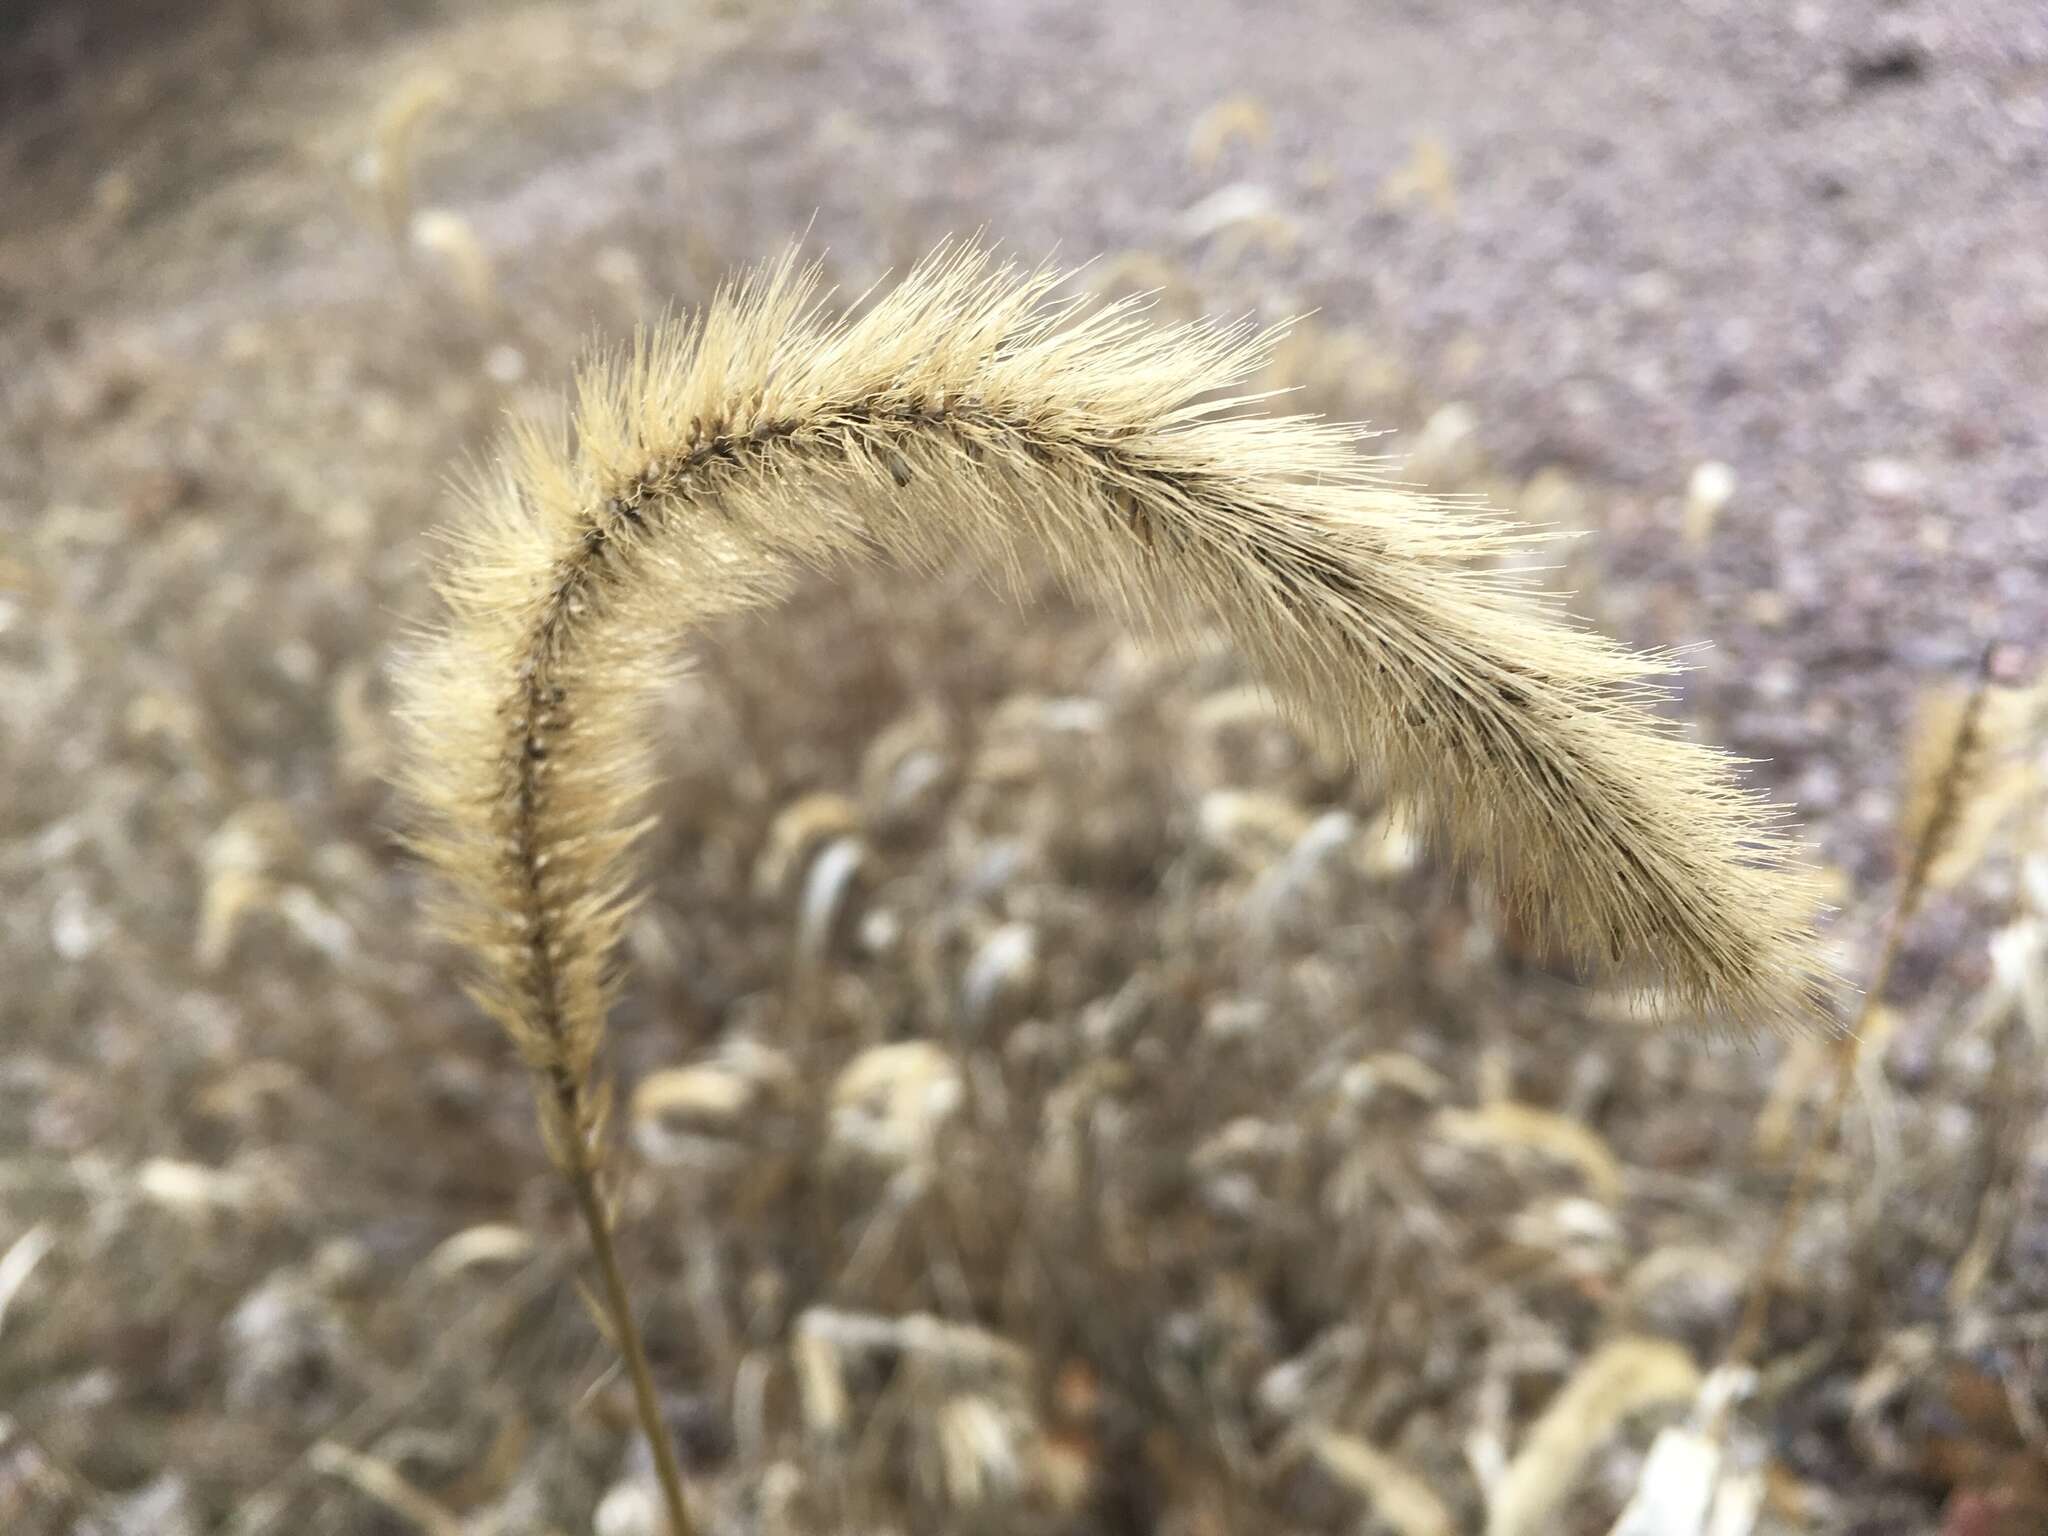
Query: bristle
(969,410)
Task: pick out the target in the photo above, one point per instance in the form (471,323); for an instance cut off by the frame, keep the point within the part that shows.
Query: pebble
(1707,493)
(1890,480)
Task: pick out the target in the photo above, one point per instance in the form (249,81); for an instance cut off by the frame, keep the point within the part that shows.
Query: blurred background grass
(1058,1099)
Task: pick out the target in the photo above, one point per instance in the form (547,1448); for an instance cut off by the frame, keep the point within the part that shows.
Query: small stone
(1649,292)
(1890,480)
(1766,608)
(1707,494)
(1778,680)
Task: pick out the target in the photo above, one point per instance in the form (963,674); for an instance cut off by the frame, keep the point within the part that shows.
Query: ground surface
(1575,252)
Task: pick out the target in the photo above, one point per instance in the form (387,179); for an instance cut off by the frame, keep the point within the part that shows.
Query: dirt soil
(1222,1165)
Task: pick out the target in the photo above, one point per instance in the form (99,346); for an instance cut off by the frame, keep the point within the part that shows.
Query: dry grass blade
(1945,770)
(384,1484)
(971,409)
(1624,1377)
(20,1261)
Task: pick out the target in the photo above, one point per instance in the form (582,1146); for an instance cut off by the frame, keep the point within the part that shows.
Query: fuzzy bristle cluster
(970,410)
